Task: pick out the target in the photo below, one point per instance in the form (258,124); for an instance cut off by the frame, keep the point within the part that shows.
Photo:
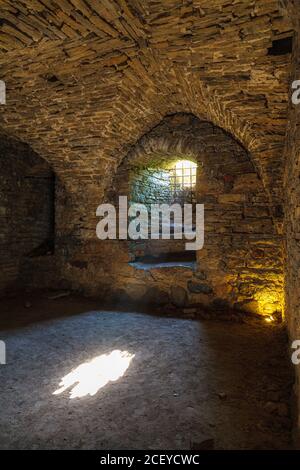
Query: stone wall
(88,92)
(26,213)
(292,216)
(150,186)
(240,265)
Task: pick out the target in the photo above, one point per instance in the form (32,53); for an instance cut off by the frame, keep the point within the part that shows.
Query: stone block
(178,296)
(199,288)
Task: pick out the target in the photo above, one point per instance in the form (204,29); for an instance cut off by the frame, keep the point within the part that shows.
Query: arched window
(183,175)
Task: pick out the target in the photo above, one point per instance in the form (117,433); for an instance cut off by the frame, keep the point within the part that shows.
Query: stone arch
(156,143)
(164,88)
(241,237)
(188,94)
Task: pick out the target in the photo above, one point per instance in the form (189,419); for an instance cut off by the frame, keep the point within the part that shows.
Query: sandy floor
(189,380)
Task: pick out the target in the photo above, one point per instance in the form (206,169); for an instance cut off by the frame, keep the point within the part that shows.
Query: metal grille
(183,182)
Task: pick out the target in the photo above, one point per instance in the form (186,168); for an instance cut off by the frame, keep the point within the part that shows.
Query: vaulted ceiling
(86,78)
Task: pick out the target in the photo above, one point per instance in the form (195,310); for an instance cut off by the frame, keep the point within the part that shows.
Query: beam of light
(89,377)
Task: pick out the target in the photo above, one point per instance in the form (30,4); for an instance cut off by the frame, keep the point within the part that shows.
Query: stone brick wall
(88,92)
(240,265)
(292,216)
(26,212)
(150,186)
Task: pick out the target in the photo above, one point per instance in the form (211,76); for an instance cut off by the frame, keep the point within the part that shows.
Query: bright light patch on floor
(89,377)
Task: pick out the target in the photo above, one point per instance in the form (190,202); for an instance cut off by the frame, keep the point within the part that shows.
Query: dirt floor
(189,380)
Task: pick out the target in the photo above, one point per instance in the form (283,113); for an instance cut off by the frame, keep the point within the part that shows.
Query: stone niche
(240,265)
(27,217)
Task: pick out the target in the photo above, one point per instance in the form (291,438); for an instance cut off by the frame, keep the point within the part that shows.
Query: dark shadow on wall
(27,213)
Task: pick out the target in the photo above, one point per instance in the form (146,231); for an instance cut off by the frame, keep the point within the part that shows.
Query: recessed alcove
(167,181)
(237,263)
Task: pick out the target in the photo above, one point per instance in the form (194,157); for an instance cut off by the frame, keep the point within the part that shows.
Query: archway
(240,264)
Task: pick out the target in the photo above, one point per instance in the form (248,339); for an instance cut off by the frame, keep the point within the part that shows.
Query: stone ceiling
(87,78)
